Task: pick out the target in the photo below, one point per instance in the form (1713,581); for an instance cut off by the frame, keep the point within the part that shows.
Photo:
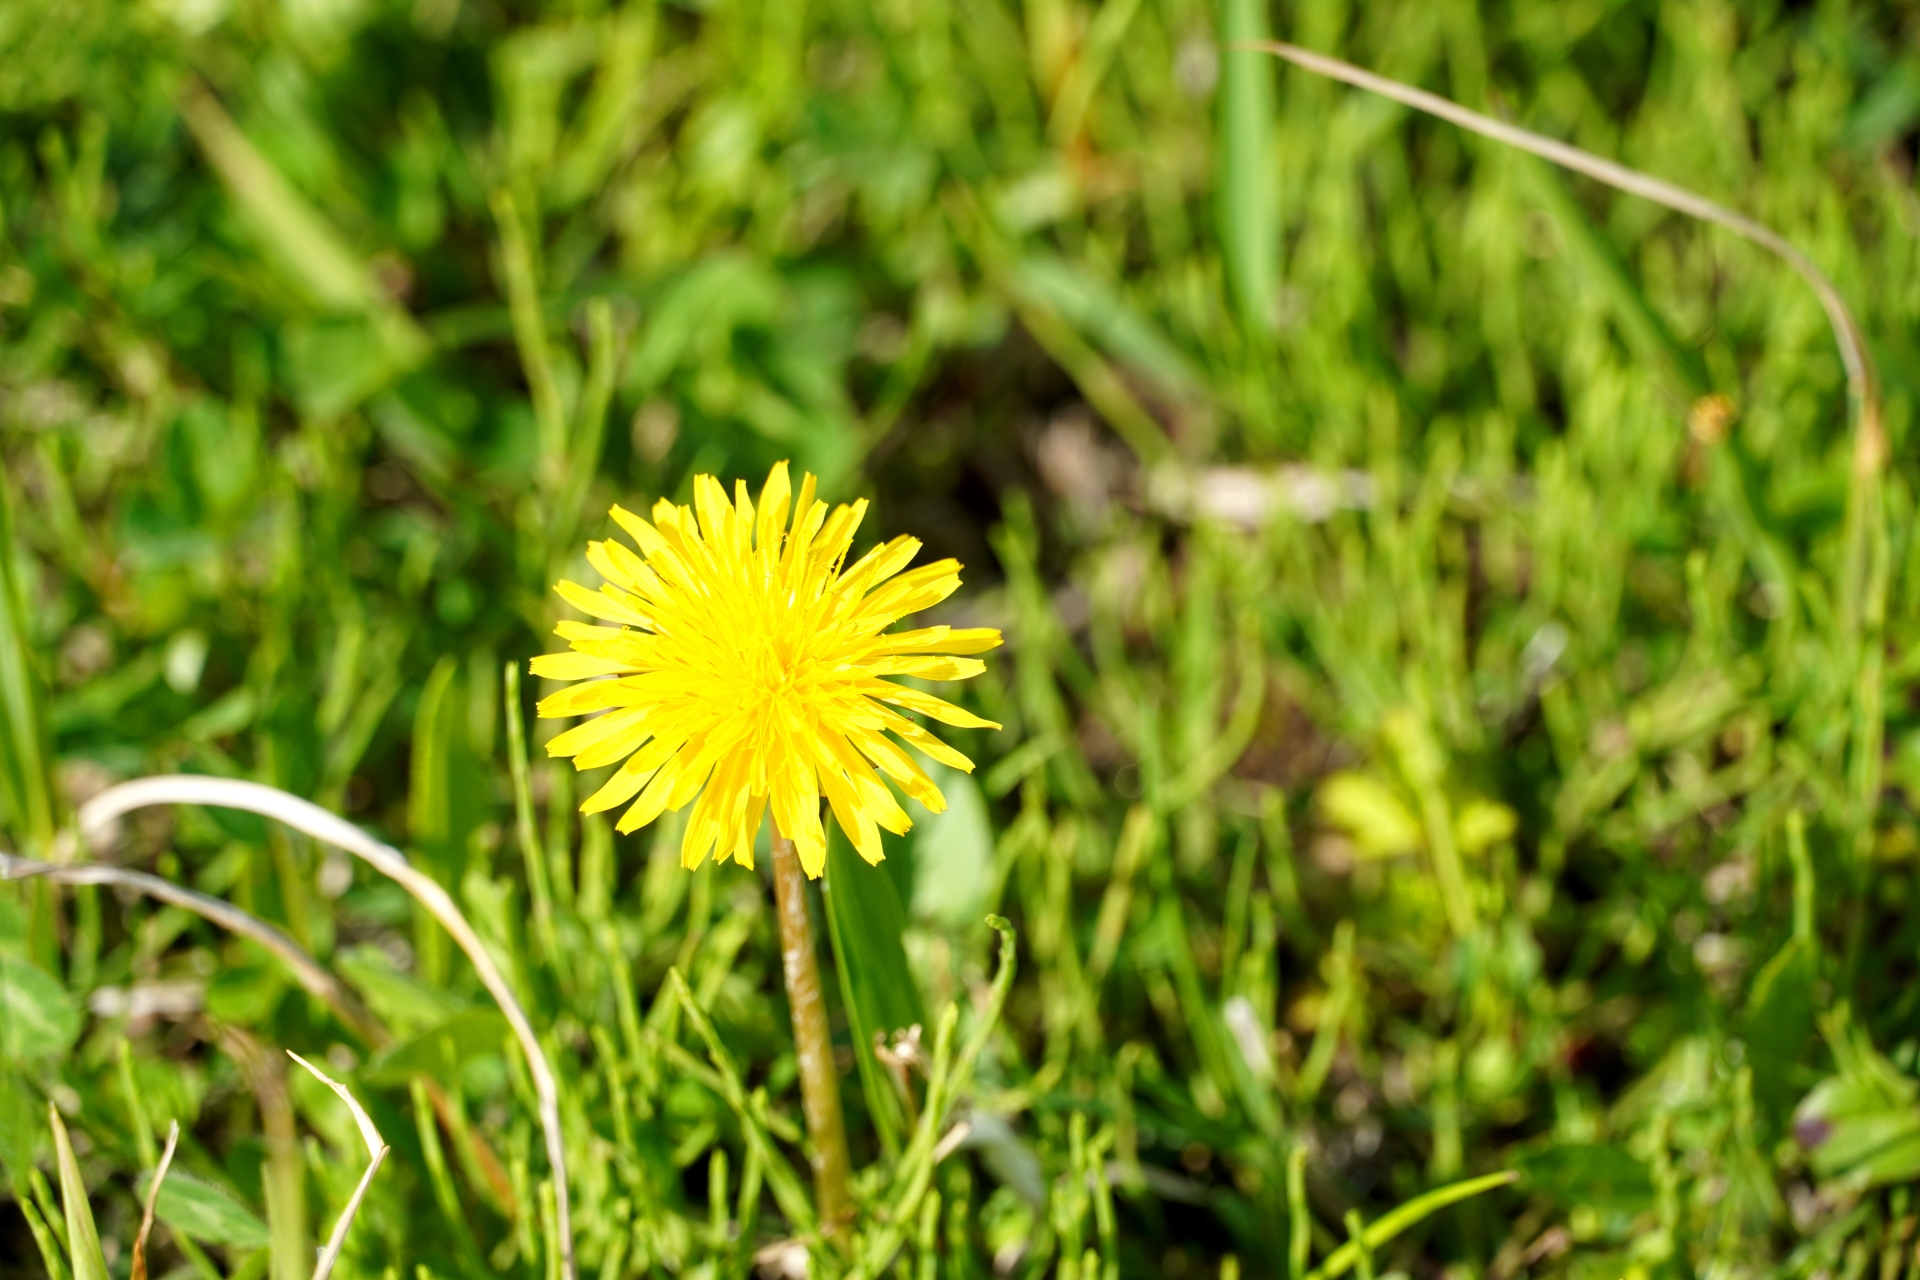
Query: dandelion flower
(748,667)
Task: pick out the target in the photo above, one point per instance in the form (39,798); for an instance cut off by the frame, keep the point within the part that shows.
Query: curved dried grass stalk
(1863,381)
(1866,569)
(98,814)
(139,1265)
(377,1149)
(313,979)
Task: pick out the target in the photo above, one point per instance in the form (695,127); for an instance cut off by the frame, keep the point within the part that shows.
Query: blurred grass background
(1441,736)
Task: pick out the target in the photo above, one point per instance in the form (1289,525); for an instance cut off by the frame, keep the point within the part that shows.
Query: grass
(1442,739)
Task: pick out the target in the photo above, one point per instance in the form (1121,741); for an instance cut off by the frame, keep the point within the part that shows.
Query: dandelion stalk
(744,675)
(812,1044)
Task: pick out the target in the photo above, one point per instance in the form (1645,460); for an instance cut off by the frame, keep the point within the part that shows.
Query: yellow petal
(837,536)
(589,734)
(743,517)
(577,666)
(618,789)
(614,562)
(835,754)
(858,827)
(934,666)
(912,591)
(715,512)
(899,766)
(928,745)
(604,604)
(774,501)
(748,832)
(652,802)
(644,535)
(594,695)
(796,812)
(939,640)
(703,829)
(927,705)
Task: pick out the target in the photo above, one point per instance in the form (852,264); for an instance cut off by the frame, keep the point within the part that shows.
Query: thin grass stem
(329,828)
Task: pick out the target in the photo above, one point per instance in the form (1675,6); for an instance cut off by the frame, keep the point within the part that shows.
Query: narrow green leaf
(866,919)
(1341,1260)
(1243,164)
(83,1238)
(24,791)
(18,1123)
(309,248)
(1098,310)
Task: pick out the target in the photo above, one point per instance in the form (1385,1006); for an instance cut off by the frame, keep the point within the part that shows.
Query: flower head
(748,669)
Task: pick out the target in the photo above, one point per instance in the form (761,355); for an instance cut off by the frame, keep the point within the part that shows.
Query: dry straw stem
(310,819)
(313,979)
(1866,568)
(376,1152)
(139,1264)
(1870,445)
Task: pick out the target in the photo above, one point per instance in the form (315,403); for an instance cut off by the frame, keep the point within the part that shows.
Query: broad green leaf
(83,1238)
(1863,1122)
(1371,812)
(440,1051)
(1778,1025)
(206,1213)
(1590,1173)
(952,864)
(37,1016)
(402,1001)
(246,993)
(1482,824)
(866,919)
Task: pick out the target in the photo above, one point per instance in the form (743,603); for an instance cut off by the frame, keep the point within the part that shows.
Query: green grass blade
(23,754)
(1343,1259)
(83,1238)
(1243,165)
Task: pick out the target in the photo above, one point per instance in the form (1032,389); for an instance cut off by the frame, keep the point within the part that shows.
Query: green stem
(812,1044)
